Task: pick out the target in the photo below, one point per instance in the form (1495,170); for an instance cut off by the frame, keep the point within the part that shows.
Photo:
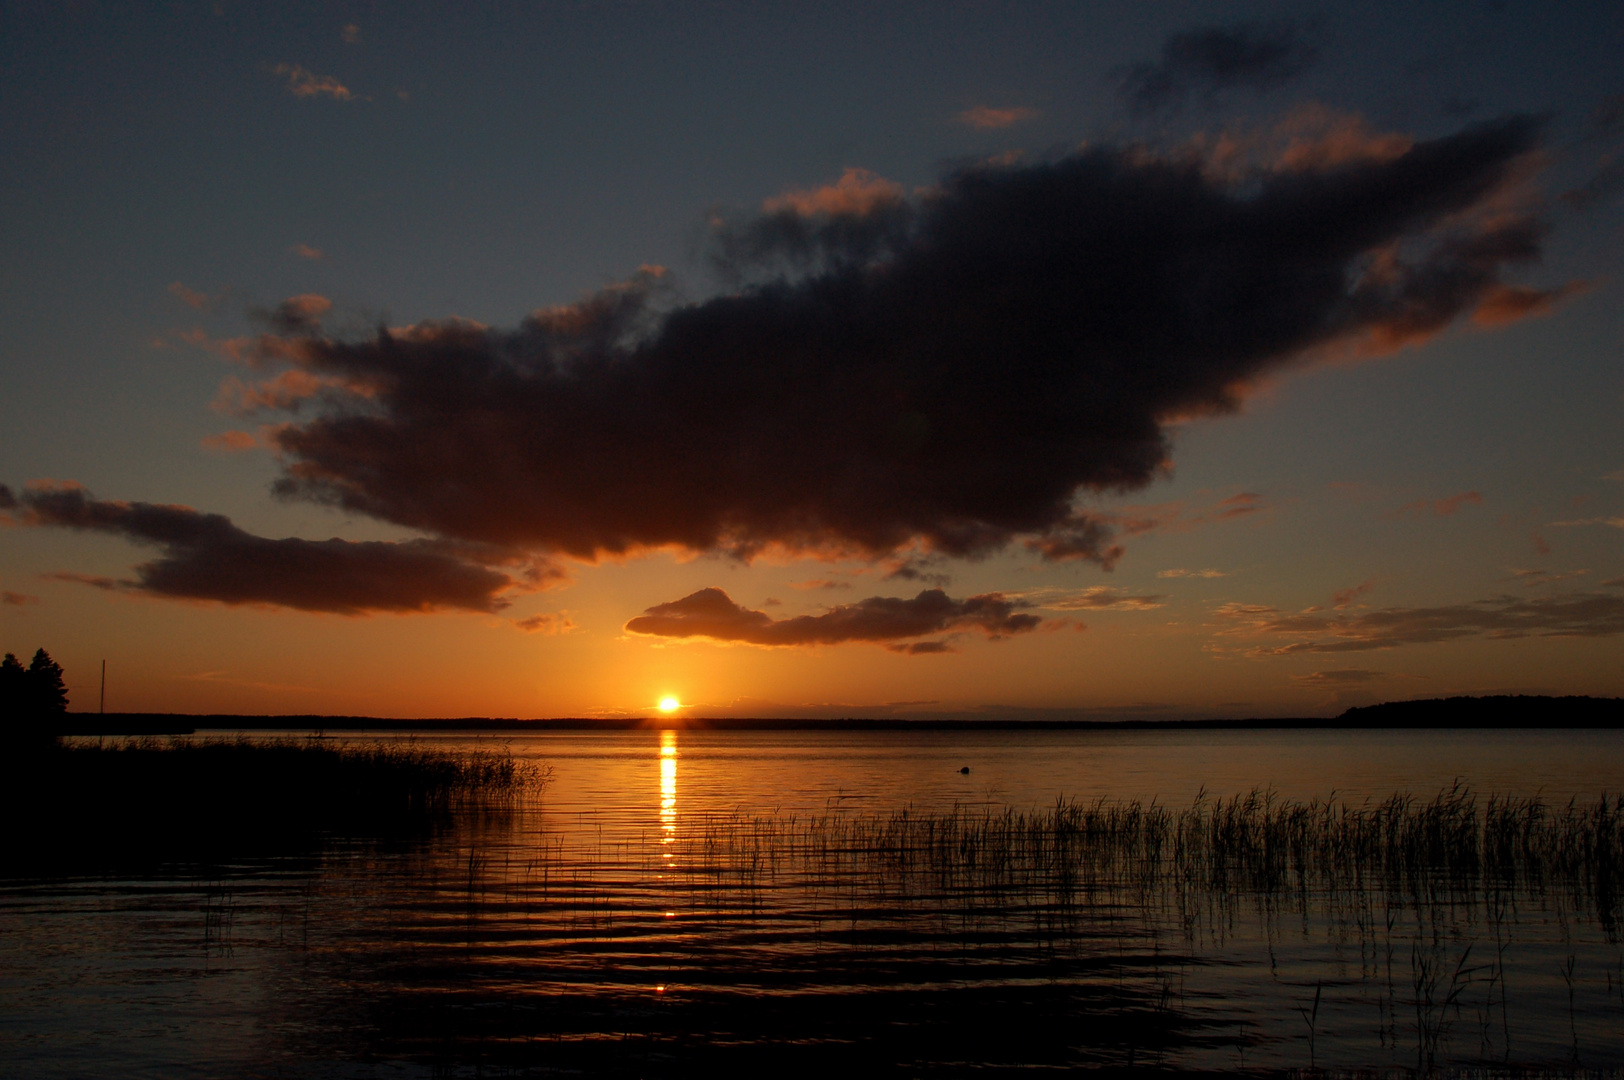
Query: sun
(669,704)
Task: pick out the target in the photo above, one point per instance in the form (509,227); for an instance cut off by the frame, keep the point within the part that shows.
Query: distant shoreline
(1517,712)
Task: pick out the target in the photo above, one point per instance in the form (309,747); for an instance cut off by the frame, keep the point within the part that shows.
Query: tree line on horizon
(31,698)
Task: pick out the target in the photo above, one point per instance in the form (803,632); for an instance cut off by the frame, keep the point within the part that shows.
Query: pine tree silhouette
(49,693)
(32,699)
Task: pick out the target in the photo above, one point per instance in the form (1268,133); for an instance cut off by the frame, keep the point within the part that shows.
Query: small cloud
(1181,517)
(1614,522)
(1535,578)
(1094,598)
(922,648)
(987,118)
(95,581)
(545,624)
(1257,56)
(772,601)
(821,583)
(1192,573)
(1344,597)
(1338,677)
(1506,304)
(305,251)
(230,442)
(916,568)
(17,599)
(1614,583)
(296,315)
(857,193)
(403,95)
(1445,507)
(303,83)
(192,298)
(351,34)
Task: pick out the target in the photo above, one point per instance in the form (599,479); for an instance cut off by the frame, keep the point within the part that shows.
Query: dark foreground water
(685,903)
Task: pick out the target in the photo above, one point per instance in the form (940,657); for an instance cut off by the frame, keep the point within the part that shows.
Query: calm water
(679,902)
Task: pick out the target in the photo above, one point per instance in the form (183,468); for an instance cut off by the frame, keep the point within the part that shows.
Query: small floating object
(965,771)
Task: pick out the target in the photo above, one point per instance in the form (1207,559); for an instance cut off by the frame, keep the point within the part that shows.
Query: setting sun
(669,704)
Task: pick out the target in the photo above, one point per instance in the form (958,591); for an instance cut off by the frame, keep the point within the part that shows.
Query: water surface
(682,901)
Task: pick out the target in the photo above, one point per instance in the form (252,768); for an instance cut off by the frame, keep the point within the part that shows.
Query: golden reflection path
(668,803)
(668,788)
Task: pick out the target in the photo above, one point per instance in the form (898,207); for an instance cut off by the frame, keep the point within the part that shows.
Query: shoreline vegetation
(1492,712)
(66,801)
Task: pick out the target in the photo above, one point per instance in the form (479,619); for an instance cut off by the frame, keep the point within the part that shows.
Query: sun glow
(669,704)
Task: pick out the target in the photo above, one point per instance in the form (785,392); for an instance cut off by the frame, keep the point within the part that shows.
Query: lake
(683,902)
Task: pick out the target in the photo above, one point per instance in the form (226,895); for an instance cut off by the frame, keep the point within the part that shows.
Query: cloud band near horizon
(206,557)
(885,620)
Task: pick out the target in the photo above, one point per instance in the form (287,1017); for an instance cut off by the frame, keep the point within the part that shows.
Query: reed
(134,794)
(1454,849)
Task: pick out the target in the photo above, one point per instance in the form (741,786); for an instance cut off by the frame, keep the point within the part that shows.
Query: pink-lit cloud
(304,83)
(858,192)
(989,118)
(231,442)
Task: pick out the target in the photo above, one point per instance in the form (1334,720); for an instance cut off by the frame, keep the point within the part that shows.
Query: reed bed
(133,794)
(1456,849)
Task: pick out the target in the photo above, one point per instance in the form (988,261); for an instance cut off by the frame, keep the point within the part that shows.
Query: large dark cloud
(951,369)
(1569,615)
(1249,55)
(711,613)
(206,557)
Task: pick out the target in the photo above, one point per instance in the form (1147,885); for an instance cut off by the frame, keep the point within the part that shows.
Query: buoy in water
(965,771)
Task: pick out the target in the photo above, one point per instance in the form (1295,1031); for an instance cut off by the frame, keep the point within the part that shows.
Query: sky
(1029,360)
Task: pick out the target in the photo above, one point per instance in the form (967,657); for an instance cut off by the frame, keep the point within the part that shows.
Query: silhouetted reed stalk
(1451,851)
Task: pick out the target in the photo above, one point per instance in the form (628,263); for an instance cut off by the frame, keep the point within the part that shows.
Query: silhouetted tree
(13,685)
(31,699)
(49,693)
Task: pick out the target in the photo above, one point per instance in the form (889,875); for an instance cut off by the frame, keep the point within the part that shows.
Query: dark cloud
(206,557)
(1255,56)
(922,648)
(711,613)
(546,623)
(1570,615)
(953,369)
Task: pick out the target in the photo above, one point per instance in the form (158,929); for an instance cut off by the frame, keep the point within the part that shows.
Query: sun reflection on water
(668,788)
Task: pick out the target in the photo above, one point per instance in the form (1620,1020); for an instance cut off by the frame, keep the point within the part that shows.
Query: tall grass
(142,793)
(1454,849)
